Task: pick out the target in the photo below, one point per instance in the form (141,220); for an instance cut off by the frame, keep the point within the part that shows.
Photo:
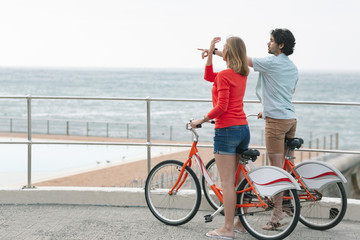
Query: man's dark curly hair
(283,35)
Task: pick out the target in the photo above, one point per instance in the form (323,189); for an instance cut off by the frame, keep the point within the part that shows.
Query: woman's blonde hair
(235,56)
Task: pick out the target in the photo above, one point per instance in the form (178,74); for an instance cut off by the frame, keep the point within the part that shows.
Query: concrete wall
(107,196)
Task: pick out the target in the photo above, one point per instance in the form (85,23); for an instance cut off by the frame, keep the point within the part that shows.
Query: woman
(231,128)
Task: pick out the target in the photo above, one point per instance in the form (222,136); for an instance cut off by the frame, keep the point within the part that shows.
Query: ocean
(128,118)
(316,121)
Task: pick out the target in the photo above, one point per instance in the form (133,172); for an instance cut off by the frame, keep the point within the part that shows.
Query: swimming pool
(53,161)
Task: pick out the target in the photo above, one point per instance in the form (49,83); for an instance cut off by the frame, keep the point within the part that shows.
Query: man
(275,88)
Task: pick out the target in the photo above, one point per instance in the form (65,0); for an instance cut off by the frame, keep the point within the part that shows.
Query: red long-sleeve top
(227,96)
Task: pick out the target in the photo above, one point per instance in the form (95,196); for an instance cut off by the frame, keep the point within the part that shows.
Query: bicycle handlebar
(188,126)
(253,115)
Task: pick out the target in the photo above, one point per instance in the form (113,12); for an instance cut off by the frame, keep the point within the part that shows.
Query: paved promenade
(54,221)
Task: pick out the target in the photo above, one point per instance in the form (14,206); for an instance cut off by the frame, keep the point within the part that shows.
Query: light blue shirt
(276,84)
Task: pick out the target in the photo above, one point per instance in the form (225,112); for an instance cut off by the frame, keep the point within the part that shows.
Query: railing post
(48,126)
(171,128)
(11,125)
(107,129)
(337,140)
(267,158)
(310,144)
(148,135)
(29,142)
(331,142)
(317,146)
(67,128)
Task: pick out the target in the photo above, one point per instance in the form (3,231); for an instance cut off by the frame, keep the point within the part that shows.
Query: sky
(166,34)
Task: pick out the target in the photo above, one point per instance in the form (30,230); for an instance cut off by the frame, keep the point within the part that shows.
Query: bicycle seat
(294,142)
(250,154)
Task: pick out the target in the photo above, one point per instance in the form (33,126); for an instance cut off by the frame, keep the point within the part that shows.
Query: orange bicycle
(322,195)
(173,193)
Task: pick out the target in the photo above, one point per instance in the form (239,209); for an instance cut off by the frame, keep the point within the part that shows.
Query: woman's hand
(259,115)
(194,123)
(212,44)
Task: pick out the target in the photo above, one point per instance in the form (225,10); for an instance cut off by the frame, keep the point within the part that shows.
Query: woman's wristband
(214,51)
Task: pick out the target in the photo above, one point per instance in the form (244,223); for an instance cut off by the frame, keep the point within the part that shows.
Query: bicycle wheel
(176,208)
(327,211)
(255,219)
(209,194)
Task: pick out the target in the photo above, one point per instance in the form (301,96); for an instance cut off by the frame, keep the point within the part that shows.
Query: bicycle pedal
(208,218)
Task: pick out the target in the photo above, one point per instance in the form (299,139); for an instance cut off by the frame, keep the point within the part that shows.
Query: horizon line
(153,68)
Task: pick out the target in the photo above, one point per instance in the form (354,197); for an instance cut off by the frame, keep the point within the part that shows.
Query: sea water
(128,118)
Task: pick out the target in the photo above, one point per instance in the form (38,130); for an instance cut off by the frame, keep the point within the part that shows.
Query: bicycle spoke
(256,220)
(177,207)
(327,210)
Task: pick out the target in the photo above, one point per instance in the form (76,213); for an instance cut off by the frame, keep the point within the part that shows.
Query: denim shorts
(231,140)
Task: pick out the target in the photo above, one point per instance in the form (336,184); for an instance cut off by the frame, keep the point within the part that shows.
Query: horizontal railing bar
(165,99)
(71,98)
(14,142)
(327,103)
(264,148)
(63,120)
(164,145)
(13,97)
(328,151)
(104,98)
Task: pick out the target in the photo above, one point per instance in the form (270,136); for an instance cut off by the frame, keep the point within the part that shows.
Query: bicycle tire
(177,208)
(254,219)
(210,196)
(328,211)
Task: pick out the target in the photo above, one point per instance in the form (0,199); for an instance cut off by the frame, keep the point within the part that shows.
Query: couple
(278,77)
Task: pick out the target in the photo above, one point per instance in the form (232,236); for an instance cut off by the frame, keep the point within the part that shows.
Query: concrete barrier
(108,197)
(80,195)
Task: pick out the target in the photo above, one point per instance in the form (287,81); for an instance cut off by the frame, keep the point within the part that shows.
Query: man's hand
(205,52)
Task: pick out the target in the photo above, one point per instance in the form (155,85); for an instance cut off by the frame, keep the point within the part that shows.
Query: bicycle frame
(323,174)
(241,169)
(291,166)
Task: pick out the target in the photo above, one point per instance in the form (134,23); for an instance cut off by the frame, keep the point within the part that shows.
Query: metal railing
(148,143)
